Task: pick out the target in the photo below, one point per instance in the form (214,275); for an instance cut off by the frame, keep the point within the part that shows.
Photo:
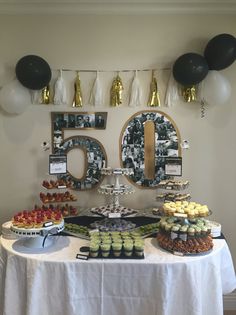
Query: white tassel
(36,97)
(60,95)
(96,95)
(172,92)
(136,92)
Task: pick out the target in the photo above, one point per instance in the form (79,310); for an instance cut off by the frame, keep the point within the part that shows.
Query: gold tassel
(77,100)
(154,97)
(116,91)
(45,94)
(189,94)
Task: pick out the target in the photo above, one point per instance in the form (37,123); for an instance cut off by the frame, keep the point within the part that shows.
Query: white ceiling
(118,7)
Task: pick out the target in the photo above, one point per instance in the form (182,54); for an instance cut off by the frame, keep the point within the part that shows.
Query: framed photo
(173,166)
(62,121)
(57,164)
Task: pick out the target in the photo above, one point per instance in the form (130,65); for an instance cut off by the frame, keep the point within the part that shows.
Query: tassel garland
(136,92)
(116,91)
(96,96)
(77,101)
(60,96)
(154,98)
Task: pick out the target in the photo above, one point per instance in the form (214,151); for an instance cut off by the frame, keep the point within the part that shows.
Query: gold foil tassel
(45,94)
(116,91)
(154,97)
(77,100)
(189,94)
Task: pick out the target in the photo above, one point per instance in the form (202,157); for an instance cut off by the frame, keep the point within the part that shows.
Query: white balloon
(14,98)
(215,89)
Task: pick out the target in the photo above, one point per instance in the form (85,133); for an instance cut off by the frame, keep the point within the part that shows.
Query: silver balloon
(14,98)
(215,89)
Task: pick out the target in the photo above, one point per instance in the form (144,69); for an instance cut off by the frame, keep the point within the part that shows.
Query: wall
(113,43)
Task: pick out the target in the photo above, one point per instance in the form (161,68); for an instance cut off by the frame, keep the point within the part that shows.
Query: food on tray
(106,211)
(115,244)
(54,184)
(57,197)
(196,227)
(185,209)
(76,229)
(112,225)
(36,218)
(173,197)
(173,184)
(190,246)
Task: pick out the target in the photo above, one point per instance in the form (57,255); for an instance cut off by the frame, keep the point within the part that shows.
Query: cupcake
(94,249)
(138,248)
(128,248)
(116,247)
(105,248)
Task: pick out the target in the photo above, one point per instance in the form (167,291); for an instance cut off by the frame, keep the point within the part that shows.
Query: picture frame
(57,164)
(61,121)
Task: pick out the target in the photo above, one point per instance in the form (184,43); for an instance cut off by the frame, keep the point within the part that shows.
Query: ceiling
(118,7)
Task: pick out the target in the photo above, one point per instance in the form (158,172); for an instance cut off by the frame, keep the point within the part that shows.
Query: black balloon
(190,69)
(220,51)
(33,72)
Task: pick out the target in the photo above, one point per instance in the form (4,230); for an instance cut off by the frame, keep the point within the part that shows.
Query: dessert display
(112,225)
(37,218)
(36,225)
(116,245)
(76,230)
(117,171)
(173,184)
(184,209)
(57,197)
(108,210)
(168,197)
(115,190)
(184,230)
(190,246)
(56,184)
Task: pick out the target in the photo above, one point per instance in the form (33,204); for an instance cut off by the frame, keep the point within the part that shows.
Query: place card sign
(182,215)
(113,215)
(57,164)
(173,166)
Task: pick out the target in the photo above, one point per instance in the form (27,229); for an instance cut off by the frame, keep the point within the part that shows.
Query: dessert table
(52,281)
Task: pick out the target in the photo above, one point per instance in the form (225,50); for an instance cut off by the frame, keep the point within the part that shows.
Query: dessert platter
(183,229)
(116,245)
(173,184)
(57,197)
(57,184)
(115,190)
(165,197)
(112,225)
(113,210)
(35,225)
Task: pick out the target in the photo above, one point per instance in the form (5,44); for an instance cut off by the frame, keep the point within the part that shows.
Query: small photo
(100,120)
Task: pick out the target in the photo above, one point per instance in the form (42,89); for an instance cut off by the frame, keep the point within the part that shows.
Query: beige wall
(121,42)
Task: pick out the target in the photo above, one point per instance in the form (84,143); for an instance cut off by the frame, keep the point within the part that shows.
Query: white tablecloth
(53,282)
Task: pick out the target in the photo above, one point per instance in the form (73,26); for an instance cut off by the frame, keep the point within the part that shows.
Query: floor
(230,312)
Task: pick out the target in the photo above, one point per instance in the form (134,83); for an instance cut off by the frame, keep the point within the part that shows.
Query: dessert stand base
(36,242)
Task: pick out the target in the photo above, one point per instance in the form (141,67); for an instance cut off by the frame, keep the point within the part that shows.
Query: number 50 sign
(146,140)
